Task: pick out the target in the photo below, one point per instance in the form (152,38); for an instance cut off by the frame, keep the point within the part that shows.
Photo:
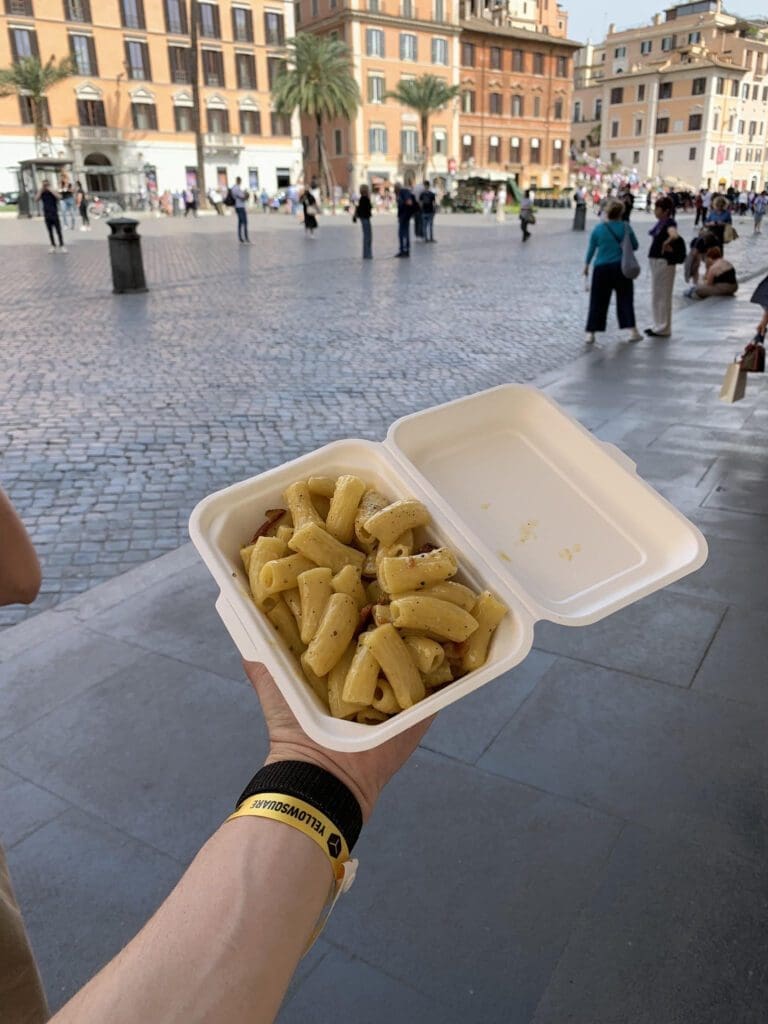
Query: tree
(30,77)
(319,81)
(427,95)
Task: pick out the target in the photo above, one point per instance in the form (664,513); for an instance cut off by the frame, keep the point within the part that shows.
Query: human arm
(226,942)
(591,250)
(20,575)
(633,238)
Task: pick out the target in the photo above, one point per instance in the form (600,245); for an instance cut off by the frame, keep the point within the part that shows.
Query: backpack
(428,201)
(229,199)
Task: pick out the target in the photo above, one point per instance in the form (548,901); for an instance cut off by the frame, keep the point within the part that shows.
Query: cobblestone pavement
(120,412)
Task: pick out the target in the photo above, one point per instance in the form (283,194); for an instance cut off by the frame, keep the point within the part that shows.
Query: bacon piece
(274,515)
(366,613)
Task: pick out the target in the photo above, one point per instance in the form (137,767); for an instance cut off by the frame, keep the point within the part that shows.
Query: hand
(365,773)
(586,270)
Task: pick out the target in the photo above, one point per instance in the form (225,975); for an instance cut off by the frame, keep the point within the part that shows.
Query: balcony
(91,132)
(410,159)
(215,142)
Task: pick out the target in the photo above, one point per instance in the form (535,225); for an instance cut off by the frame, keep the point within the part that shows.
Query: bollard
(125,256)
(580,217)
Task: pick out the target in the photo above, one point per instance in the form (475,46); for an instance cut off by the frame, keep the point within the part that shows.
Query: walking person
(527,216)
(50,203)
(67,204)
(662,270)
(605,244)
(699,207)
(240,195)
(363,212)
(406,208)
(309,203)
(428,203)
(264,200)
(81,198)
(759,206)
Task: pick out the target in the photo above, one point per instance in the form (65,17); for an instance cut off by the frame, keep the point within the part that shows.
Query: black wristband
(317,787)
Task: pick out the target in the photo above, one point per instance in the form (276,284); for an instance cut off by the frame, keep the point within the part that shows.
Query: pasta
(370,611)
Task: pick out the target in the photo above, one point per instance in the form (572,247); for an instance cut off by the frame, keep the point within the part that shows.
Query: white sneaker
(635,335)
(589,337)
(52,249)
(63,248)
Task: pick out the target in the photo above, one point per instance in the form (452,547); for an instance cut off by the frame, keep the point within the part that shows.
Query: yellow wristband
(302,816)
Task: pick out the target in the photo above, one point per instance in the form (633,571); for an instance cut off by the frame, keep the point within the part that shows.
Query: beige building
(682,100)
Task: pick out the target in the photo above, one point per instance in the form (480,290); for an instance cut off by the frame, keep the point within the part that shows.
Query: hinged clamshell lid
(562,515)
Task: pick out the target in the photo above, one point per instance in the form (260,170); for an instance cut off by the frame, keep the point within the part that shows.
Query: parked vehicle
(9,198)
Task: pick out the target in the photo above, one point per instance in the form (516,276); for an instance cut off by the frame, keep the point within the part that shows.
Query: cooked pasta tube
(283,573)
(396,663)
(389,523)
(315,591)
(347,581)
(489,612)
(245,555)
(322,505)
(427,654)
(324,485)
(370,503)
(318,683)
(439,677)
(438,618)
(384,698)
(336,629)
(266,549)
(360,681)
(381,614)
(370,716)
(291,598)
(284,533)
(320,547)
(340,521)
(456,593)
(403,546)
(414,572)
(279,614)
(299,502)
(341,708)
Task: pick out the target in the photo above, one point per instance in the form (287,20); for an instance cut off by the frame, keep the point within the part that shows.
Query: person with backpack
(239,197)
(428,203)
(406,208)
(605,245)
(662,260)
(363,211)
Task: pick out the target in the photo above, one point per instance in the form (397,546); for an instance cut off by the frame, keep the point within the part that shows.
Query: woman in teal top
(605,247)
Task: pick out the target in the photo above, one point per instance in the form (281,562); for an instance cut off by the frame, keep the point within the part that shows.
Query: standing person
(487,201)
(759,206)
(527,216)
(699,207)
(50,203)
(629,201)
(428,204)
(605,246)
(743,202)
(67,203)
(406,208)
(309,204)
(264,200)
(662,233)
(81,198)
(215,199)
(274,203)
(501,204)
(240,195)
(418,227)
(363,212)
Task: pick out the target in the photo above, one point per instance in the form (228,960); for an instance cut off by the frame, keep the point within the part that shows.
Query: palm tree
(318,79)
(427,95)
(30,77)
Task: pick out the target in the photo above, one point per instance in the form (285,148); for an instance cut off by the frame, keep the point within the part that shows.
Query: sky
(589,19)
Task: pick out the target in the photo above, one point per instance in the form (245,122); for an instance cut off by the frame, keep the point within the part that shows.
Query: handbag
(730,234)
(734,384)
(753,356)
(630,268)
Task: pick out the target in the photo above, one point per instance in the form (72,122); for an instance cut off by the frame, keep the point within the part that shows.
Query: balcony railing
(410,159)
(222,140)
(89,132)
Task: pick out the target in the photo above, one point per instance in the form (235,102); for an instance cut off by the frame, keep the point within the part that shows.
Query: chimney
(611,29)
(657,19)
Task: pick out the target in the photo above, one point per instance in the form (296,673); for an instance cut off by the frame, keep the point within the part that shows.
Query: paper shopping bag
(734,384)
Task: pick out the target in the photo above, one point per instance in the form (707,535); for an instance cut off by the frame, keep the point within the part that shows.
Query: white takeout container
(553,521)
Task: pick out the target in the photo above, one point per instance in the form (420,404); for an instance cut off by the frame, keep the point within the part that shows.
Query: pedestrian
(50,203)
(605,245)
(189,202)
(759,206)
(720,278)
(215,199)
(363,212)
(428,204)
(406,208)
(662,270)
(743,202)
(629,201)
(264,200)
(699,207)
(240,196)
(81,198)
(501,204)
(274,203)
(309,203)
(67,203)
(717,217)
(293,199)
(487,201)
(418,227)
(527,216)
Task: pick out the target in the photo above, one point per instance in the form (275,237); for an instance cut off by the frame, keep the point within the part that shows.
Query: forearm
(225,944)
(20,576)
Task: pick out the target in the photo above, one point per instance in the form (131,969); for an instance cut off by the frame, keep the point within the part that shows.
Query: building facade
(683,100)
(125,119)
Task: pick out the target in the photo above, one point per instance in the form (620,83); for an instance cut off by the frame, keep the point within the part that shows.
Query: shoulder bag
(630,268)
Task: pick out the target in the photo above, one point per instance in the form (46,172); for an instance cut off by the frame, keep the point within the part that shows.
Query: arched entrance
(99,181)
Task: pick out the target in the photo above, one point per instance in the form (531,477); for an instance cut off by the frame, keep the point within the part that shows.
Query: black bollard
(580,217)
(125,256)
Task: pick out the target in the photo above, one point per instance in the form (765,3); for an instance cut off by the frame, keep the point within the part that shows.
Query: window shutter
(403,141)
(368,38)
(33,43)
(402,47)
(92,57)
(382,44)
(434,51)
(140,12)
(415,47)
(384,140)
(216,21)
(145,61)
(249,25)
(371,138)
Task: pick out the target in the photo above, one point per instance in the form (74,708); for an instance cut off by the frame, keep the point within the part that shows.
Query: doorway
(99,181)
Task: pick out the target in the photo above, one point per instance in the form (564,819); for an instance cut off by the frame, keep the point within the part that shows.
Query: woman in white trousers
(662,272)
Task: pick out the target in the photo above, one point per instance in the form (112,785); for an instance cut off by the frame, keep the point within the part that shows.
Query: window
(178,63)
(409,142)
(439,10)
(598,109)
(250,122)
(731,123)
(315,7)
(698,87)
(407,6)
(373,6)
(614,158)
(719,86)
(561,67)
(734,87)
(557,110)
(694,37)
(494,103)
(468,101)
(245,68)
(28,114)
(741,128)
(646,46)
(440,51)
(23,43)
(620,51)
(614,129)
(665,91)
(537,106)
(374,42)
(77,10)
(439,142)
(745,91)
(21,8)
(518,60)
(137,60)
(90,113)
(144,116)
(518,106)
(176,17)
(375,88)
(662,125)
(635,156)
(715,120)
(408,46)
(467,148)
(494,55)
(132,13)
(638,126)
(538,63)
(182,118)
(213,67)
(297,12)
(494,149)
(535,151)
(242,25)
(577,110)
(752,129)
(557,151)
(208,21)
(274,29)
(737,154)
(338,146)
(377,140)
(640,93)
(694,122)
(667,43)
(468,55)
(514,150)
(83,53)
(692,153)
(218,121)
(617,95)
(275,68)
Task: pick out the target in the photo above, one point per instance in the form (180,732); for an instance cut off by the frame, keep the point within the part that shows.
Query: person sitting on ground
(720,277)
